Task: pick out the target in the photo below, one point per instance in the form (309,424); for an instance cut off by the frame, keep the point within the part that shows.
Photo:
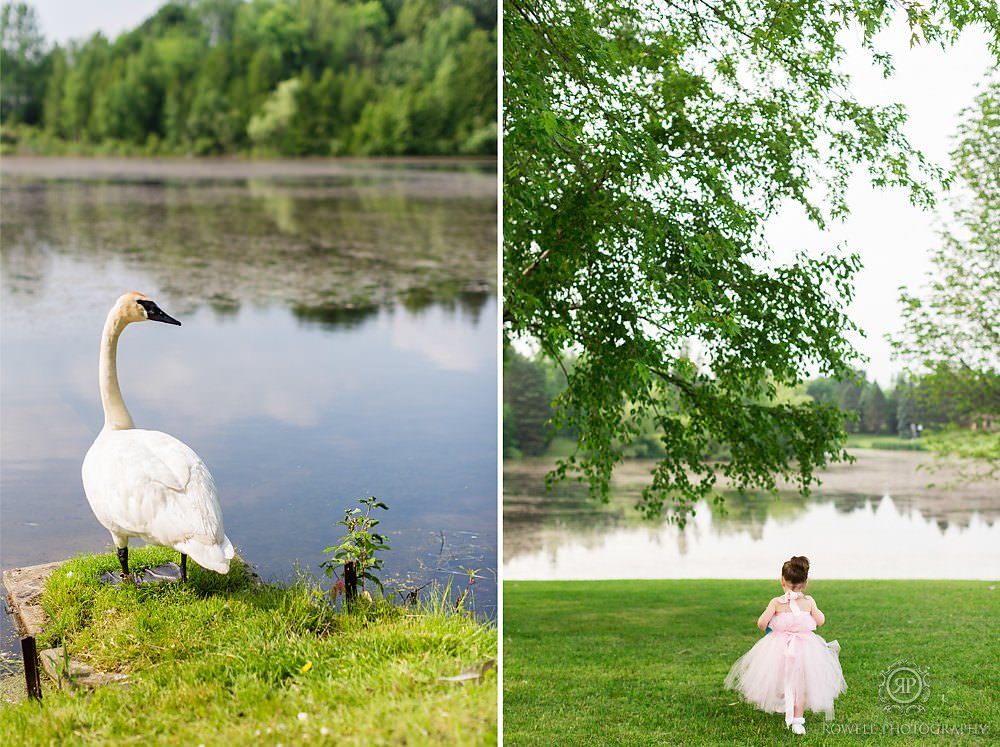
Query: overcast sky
(63,20)
(892,237)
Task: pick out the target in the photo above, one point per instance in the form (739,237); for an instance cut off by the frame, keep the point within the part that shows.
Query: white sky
(65,20)
(891,236)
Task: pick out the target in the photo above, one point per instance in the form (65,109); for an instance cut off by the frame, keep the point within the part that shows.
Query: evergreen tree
(872,406)
(527,404)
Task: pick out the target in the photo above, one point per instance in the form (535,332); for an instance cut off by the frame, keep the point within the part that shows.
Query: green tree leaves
(283,77)
(268,127)
(645,145)
(951,330)
(22,59)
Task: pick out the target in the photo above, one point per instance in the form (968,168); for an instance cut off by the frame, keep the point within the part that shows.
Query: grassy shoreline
(561,447)
(884,442)
(642,662)
(228,660)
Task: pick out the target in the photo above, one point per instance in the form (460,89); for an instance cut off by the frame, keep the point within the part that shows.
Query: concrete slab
(24,588)
(74,673)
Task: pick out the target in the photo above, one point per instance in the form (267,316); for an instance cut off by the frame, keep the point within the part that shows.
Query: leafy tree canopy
(22,62)
(645,145)
(287,77)
(950,339)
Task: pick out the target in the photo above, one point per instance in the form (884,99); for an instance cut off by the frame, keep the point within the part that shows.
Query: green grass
(964,443)
(560,447)
(891,443)
(223,660)
(643,662)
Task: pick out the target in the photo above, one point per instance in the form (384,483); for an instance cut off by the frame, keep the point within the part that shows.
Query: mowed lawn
(643,662)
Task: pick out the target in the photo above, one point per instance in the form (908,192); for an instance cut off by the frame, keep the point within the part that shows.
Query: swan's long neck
(116,415)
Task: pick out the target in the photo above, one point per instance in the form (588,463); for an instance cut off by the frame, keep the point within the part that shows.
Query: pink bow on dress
(789,598)
(790,636)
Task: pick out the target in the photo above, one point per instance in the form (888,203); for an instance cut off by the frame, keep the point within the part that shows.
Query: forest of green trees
(272,77)
(531,383)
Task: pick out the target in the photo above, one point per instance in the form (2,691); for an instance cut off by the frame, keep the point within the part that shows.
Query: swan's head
(138,307)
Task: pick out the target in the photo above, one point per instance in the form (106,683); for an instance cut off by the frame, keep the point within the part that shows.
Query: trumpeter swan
(147,484)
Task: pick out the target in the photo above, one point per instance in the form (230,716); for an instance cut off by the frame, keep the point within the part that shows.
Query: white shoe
(798,725)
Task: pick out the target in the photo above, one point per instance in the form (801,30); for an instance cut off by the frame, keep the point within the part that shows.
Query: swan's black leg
(184,567)
(123,559)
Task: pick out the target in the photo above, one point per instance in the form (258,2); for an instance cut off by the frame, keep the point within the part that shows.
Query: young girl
(790,668)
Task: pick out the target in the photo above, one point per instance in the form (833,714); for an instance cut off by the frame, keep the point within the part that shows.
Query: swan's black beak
(155,314)
(162,316)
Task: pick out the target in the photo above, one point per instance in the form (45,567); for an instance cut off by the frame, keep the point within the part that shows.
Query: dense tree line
(289,77)
(531,422)
(868,409)
(950,340)
(529,387)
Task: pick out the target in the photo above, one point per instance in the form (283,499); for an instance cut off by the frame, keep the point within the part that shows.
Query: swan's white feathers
(149,485)
(147,478)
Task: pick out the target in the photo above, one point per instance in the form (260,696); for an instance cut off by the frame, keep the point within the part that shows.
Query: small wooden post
(31,674)
(351,581)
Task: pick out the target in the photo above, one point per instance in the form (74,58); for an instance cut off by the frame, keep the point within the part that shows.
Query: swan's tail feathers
(213,557)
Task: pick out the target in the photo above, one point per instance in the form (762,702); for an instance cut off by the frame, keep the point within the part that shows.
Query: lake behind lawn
(888,515)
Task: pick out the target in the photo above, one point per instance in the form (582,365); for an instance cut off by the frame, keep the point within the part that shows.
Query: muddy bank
(914,479)
(457,177)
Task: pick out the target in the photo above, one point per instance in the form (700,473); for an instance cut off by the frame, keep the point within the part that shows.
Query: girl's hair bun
(796,570)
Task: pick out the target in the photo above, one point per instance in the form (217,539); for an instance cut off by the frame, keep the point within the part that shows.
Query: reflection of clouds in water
(42,288)
(215,379)
(236,387)
(169,376)
(34,429)
(450,342)
(875,541)
(205,375)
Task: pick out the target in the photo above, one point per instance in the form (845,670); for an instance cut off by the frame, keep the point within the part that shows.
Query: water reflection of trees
(325,243)
(567,513)
(748,512)
(468,304)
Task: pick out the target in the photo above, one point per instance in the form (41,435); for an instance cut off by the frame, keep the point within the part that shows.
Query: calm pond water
(879,518)
(339,340)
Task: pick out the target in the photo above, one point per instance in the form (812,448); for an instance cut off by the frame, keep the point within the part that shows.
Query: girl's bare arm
(763,620)
(818,616)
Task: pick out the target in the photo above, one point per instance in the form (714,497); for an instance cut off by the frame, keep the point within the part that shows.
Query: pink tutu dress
(789,664)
